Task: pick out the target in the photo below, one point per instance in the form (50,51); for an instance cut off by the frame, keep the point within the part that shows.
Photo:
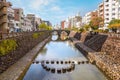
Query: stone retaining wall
(25,44)
(103,50)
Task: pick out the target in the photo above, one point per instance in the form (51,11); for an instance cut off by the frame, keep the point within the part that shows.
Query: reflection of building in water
(63,35)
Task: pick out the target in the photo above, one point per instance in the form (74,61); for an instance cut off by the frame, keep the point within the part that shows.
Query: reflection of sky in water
(54,37)
(62,50)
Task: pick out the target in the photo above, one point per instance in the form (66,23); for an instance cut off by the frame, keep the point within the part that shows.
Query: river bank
(17,70)
(103,50)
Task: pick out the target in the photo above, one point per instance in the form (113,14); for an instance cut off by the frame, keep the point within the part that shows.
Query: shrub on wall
(35,35)
(7,46)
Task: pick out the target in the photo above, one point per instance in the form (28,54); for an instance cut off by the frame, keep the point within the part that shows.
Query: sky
(55,10)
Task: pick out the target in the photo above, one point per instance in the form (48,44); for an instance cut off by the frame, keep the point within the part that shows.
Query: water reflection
(54,37)
(62,51)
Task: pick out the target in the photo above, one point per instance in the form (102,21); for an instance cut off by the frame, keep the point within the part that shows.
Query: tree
(114,25)
(86,27)
(45,27)
(95,22)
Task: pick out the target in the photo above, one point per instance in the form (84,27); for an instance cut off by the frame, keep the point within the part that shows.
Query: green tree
(114,25)
(86,27)
(95,22)
(45,27)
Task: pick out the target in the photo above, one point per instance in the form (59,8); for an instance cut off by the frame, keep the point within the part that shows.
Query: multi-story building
(62,24)
(89,16)
(73,21)
(111,11)
(11,21)
(101,13)
(32,18)
(19,18)
(4,16)
(27,25)
(48,23)
(94,14)
(38,22)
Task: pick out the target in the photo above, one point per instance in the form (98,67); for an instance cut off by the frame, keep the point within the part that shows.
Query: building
(19,18)
(111,11)
(89,16)
(4,16)
(101,13)
(11,21)
(47,23)
(62,24)
(32,18)
(27,25)
(38,22)
(73,21)
(94,14)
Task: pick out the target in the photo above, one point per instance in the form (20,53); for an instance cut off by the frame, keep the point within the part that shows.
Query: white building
(10,15)
(111,11)
(87,18)
(73,21)
(27,25)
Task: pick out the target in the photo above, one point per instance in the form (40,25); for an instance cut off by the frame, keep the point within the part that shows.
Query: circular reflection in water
(63,35)
(54,37)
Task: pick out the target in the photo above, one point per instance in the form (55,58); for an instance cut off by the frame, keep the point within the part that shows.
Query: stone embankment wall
(25,43)
(109,57)
(104,51)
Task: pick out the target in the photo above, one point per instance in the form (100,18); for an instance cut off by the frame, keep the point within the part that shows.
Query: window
(107,18)
(113,9)
(113,13)
(17,12)
(107,14)
(16,24)
(107,1)
(107,9)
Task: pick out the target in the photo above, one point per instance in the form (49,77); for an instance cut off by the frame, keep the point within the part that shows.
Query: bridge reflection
(59,36)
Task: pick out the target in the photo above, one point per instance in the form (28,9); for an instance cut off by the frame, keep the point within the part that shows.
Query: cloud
(56,8)
(38,4)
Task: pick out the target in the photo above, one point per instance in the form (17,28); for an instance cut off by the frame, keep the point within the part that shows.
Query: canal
(54,61)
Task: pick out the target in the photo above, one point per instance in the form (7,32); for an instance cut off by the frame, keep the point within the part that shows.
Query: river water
(62,51)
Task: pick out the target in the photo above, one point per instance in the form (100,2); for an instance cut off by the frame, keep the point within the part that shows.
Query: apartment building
(11,21)
(48,23)
(27,25)
(73,21)
(38,22)
(89,16)
(19,18)
(62,24)
(4,16)
(111,11)
(101,13)
(32,18)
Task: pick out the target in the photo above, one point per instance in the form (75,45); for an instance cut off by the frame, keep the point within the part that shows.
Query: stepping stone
(58,71)
(61,62)
(53,70)
(57,62)
(47,62)
(52,62)
(63,70)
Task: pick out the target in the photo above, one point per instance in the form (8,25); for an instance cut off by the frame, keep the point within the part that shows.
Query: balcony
(4,12)
(4,20)
(3,4)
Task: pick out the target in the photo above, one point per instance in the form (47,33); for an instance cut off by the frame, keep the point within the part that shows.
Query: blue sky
(56,10)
